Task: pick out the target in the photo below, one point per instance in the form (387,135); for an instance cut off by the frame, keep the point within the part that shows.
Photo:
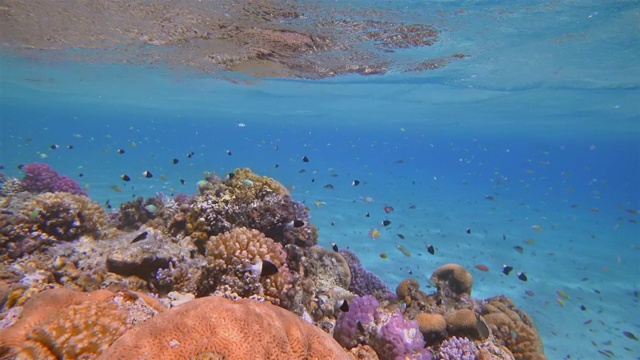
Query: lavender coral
(361,311)
(456,348)
(400,339)
(363,281)
(41,177)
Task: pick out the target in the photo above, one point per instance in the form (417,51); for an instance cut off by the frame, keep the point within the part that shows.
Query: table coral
(40,177)
(66,324)
(216,328)
(513,328)
(230,252)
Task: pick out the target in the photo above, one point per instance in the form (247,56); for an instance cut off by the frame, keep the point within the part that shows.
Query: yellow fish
(563,294)
(319,203)
(374,233)
(403,250)
(536,227)
(560,302)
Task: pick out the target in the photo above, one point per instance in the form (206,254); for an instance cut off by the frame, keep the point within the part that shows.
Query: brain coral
(67,324)
(218,328)
(513,328)
(230,252)
(454,278)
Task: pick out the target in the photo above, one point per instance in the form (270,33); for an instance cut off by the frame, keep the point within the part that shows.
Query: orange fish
(482,267)
(383,255)
(374,233)
(388,209)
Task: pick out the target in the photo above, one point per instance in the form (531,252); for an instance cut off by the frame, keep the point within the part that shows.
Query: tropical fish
(383,255)
(388,209)
(261,268)
(367,199)
(482,267)
(403,250)
(536,227)
(374,233)
(319,203)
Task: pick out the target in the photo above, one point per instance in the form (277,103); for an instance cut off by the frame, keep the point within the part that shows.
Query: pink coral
(41,177)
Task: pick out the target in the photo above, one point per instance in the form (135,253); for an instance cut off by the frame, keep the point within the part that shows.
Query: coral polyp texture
(219,328)
(239,268)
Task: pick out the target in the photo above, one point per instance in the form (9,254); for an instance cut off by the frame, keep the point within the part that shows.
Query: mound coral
(453,278)
(41,220)
(432,326)
(513,328)
(66,324)
(467,323)
(218,328)
(230,253)
(41,178)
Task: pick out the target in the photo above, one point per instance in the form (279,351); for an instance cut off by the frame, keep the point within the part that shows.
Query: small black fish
(431,250)
(120,151)
(298,223)
(329,187)
(334,246)
(386,222)
(305,159)
(182,181)
(506,269)
(175,161)
(355,182)
(468,230)
(229,152)
(410,272)
(125,177)
(504,237)
(630,335)
(107,204)
(268,268)
(302,171)
(313,180)
(69,147)
(367,214)
(190,154)
(522,276)
(360,327)
(231,175)
(400,236)
(54,147)
(140,237)
(147,174)
(345,306)
(518,249)
(20,166)
(277,166)
(80,175)
(1,167)
(583,308)
(333,223)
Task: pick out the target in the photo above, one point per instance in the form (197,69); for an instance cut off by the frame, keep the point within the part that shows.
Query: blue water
(540,126)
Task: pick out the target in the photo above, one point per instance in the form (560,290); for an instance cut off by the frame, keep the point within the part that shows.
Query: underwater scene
(319,179)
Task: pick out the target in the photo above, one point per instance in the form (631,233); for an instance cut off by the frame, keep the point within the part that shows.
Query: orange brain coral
(218,328)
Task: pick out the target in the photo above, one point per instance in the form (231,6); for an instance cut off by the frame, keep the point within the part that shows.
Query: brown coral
(229,254)
(66,324)
(466,323)
(454,278)
(513,328)
(432,326)
(218,328)
(406,289)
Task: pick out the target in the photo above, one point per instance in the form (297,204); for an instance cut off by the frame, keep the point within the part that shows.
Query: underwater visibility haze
(400,179)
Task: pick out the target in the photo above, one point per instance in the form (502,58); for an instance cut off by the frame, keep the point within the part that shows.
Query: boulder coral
(454,278)
(230,253)
(219,328)
(67,324)
(513,328)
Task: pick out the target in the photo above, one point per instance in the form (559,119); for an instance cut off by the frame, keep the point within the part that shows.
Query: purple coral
(363,281)
(361,310)
(401,339)
(41,177)
(457,348)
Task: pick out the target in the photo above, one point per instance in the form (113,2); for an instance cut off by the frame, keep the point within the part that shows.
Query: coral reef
(230,253)
(458,349)
(65,324)
(363,281)
(432,326)
(454,278)
(513,328)
(216,328)
(30,222)
(40,177)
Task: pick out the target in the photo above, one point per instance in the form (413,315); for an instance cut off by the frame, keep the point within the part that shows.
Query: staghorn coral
(31,222)
(66,324)
(454,278)
(217,328)
(513,328)
(40,178)
(228,255)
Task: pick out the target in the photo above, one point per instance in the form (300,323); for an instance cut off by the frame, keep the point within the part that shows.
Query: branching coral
(41,178)
(218,328)
(66,324)
(229,254)
(43,219)
(363,281)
